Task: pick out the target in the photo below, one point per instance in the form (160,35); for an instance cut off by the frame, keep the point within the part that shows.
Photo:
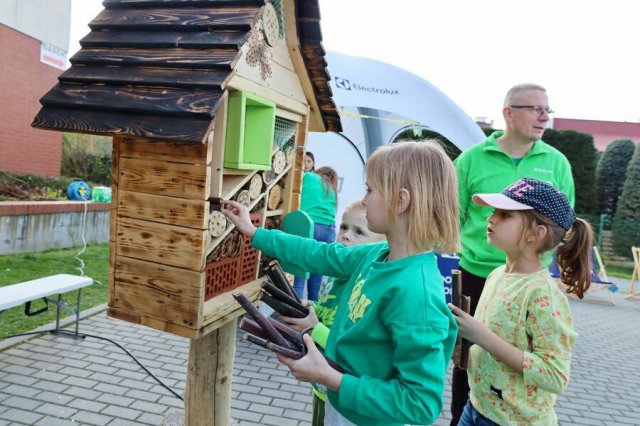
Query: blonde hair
(329,179)
(355,206)
(427,173)
(521,88)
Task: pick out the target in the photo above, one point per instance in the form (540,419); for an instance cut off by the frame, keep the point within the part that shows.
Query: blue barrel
(446,263)
(78,191)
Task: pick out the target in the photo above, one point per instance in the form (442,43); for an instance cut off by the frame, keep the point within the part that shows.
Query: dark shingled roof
(155,68)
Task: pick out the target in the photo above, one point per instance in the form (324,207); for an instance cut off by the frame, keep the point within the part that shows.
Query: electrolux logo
(345,84)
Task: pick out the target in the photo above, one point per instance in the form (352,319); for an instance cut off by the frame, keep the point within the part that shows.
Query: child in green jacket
(392,333)
(353,231)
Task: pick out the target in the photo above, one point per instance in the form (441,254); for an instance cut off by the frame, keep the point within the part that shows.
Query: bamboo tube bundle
(279,295)
(281,302)
(273,335)
(461,352)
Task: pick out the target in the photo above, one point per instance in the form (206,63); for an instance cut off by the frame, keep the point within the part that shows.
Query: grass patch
(15,268)
(619,272)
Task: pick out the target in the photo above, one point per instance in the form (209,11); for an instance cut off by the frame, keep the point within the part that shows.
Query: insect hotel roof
(157,69)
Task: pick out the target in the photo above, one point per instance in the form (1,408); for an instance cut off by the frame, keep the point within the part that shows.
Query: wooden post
(207,399)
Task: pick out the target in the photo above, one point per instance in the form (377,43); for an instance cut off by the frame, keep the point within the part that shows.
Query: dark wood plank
(238,18)
(333,124)
(166,39)
(183,58)
(313,49)
(121,4)
(315,62)
(308,9)
(112,124)
(309,32)
(144,100)
(165,77)
(319,75)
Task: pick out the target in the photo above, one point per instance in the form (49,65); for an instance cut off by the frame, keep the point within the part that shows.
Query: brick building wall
(23,81)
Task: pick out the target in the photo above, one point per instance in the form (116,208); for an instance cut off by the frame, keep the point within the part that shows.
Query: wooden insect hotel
(205,100)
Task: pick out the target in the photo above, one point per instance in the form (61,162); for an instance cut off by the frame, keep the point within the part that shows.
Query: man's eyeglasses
(536,109)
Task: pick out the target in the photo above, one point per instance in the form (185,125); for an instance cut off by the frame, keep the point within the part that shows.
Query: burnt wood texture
(155,69)
(310,37)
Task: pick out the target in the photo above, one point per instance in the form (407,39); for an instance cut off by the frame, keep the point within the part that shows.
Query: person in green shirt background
(319,200)
(353,231)
(523,328)
(488,167)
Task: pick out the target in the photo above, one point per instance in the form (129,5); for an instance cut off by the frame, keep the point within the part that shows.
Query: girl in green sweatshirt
(392,333)
(353,231)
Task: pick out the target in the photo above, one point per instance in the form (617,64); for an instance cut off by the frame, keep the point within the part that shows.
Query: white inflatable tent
(377,100)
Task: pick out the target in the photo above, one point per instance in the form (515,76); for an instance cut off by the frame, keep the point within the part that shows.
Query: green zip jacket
(316,201)
(484,168)
(392,332)
(326,308)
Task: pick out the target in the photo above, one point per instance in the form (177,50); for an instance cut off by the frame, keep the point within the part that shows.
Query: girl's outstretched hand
(468,327)
(301,324)
(313,367)
(238,214)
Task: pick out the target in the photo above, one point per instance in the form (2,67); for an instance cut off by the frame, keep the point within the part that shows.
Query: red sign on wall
(53,56)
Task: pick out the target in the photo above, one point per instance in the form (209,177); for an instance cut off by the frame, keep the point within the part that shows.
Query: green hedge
(611,174)
(87,157)
(581,153)
(626,222)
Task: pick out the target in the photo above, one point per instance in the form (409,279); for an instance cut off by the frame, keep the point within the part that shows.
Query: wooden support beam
(207,398)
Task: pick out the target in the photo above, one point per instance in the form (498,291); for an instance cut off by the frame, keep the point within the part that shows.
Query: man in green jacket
(487,167)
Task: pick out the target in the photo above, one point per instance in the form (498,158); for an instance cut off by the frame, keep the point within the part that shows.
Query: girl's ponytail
(574,258)
(329,179)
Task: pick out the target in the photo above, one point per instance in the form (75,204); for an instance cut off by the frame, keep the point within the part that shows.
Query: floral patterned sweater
(530,312)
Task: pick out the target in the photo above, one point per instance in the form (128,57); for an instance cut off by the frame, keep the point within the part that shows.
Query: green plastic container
(250,129)
(101,194)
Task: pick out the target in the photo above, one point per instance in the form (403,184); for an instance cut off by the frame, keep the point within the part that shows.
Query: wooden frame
(635,251)
(602,273)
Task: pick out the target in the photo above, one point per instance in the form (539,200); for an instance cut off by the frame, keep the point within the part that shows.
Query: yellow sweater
(530,312)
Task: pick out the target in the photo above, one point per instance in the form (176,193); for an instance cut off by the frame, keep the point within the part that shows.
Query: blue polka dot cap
(532,194)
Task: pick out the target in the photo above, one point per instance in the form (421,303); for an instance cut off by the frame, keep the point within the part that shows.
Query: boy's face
(353,229)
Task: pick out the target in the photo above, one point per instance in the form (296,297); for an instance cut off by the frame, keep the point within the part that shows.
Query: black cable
(83,335)
(353,145)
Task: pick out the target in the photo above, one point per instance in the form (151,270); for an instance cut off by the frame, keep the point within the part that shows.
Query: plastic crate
(249,255)
(221,276)
(249,133)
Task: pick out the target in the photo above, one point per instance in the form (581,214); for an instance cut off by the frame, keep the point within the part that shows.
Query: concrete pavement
(54,380)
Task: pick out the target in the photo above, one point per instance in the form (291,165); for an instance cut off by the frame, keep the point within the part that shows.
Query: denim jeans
(326,234)
(472,417)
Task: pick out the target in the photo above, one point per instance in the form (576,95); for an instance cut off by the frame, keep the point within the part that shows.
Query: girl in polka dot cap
(522,328)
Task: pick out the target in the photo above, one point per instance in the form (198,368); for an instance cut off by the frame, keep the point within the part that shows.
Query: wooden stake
(207,399)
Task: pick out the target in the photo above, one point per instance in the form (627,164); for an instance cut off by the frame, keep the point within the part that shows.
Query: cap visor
(499,201)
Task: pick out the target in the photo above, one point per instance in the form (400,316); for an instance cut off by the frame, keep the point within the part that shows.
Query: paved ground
(53,380)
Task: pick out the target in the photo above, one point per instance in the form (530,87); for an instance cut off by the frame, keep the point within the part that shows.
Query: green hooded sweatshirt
(484,168)
(393,332)
(318,200)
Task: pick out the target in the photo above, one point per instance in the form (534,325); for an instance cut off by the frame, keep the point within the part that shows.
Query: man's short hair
(521,88)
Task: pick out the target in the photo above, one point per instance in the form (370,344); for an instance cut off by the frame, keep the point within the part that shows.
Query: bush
(582,155)
(16,186)
(87,157)
(611,173)
(626,222)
